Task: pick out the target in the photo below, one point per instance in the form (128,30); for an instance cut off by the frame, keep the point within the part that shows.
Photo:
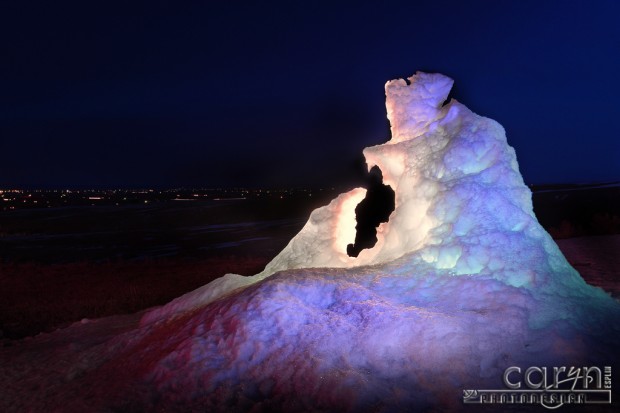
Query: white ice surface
(462,283)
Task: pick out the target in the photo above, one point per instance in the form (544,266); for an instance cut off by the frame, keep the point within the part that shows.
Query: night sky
(168,94)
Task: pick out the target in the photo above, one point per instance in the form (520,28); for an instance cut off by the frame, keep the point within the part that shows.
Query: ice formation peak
(458,193)
(414,104)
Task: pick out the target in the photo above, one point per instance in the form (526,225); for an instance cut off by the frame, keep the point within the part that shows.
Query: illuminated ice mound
(462,283)
(460,198)
(461,206)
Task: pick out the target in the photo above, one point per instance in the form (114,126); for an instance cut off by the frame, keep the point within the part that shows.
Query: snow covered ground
(462,283)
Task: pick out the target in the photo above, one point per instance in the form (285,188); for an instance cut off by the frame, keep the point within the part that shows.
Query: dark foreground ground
(60,265)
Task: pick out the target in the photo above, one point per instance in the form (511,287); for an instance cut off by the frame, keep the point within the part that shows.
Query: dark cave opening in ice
(374,209)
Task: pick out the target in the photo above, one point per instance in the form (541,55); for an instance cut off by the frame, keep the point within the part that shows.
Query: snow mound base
(375,340)
(330,340)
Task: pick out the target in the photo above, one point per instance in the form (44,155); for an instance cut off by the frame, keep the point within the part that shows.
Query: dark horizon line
(254,187)
(168,188)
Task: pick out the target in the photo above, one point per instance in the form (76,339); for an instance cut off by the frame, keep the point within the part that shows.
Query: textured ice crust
(462,283)
(376,339)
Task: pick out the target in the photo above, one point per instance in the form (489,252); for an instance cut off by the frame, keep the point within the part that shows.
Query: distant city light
(50,198)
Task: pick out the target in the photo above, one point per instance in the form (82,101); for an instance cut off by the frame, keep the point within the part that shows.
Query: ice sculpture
(461,204)
(462,283)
